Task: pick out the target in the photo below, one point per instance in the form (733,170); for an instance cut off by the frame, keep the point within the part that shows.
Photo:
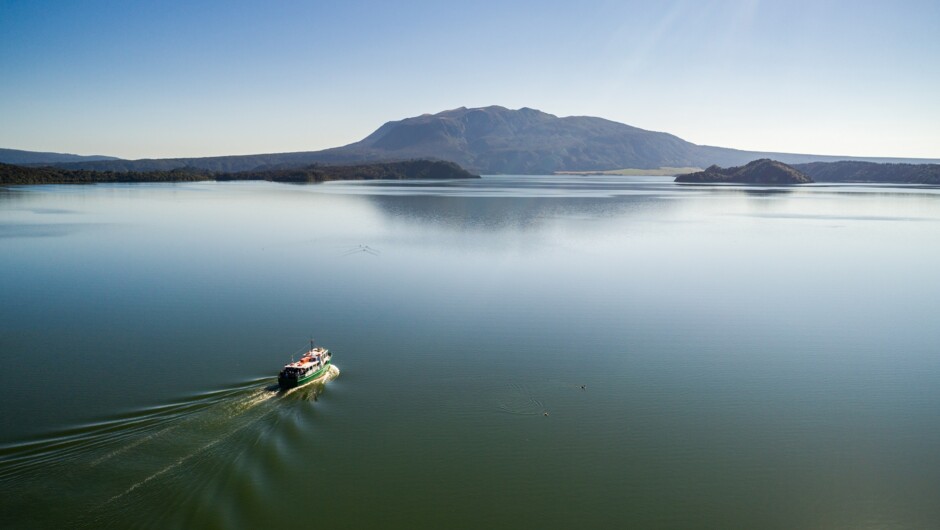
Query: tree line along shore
(406,169)
(763,171)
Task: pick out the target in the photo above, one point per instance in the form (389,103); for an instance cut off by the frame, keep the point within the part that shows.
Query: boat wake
(111,465)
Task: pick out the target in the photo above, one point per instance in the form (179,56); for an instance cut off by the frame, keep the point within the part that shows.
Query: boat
(311,365)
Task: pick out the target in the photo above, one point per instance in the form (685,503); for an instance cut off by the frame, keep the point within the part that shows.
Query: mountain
(493,140)
(763,171)
(18,157)
(499,140)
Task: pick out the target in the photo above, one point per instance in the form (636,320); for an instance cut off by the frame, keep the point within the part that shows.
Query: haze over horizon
(138,80)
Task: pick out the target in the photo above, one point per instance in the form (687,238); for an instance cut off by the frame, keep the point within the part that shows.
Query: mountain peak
(496,139)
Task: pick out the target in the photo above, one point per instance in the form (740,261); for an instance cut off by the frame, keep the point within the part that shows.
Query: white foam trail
(131,445)
(258,397)
(181,460)
(240,406)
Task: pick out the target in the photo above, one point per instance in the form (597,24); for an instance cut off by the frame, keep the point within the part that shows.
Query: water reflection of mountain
(535,204)
(498,213)
(511,205)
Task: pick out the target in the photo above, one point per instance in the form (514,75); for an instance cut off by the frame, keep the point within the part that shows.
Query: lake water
(512,352)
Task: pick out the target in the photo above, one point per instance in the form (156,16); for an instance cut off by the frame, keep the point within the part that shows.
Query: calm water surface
(750,357)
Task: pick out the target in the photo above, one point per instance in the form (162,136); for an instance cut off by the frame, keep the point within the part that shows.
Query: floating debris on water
(361,249)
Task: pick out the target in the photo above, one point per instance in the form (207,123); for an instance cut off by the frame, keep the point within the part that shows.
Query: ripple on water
(518,399)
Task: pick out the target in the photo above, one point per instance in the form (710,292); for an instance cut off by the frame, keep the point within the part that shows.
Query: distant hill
(16,156)
(493,140)
(225,164)
(763,171)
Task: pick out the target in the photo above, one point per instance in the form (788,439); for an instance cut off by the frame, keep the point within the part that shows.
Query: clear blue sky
(159,79)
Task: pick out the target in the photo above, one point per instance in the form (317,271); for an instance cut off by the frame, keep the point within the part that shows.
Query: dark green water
(751,358)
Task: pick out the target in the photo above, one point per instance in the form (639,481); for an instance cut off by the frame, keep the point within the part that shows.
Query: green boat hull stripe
(283,380)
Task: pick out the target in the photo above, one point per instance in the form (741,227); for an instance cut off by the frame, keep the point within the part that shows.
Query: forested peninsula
(773,172)
(854,171)
(406,169)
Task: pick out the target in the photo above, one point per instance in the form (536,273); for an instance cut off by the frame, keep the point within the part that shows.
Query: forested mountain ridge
(854,171)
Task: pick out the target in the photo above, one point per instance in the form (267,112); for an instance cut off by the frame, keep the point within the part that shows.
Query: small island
(406,169)
(763,171)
